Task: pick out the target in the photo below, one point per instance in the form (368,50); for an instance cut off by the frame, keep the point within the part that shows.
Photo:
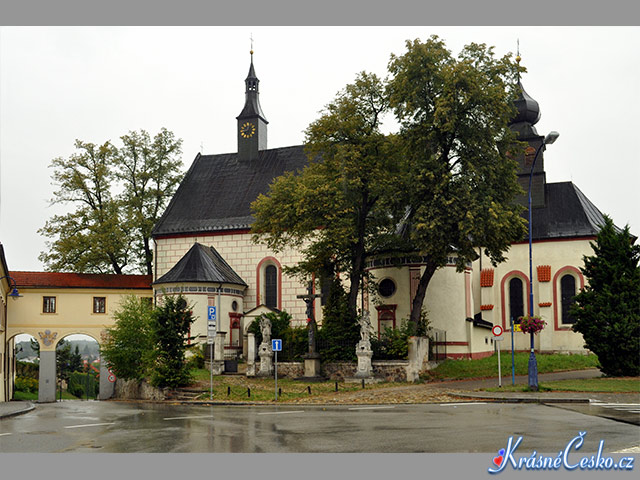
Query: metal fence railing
(438,345)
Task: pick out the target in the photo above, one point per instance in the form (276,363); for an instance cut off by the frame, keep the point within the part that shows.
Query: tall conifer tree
(607,310)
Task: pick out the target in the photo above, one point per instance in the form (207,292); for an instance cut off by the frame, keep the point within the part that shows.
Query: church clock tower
(252,125)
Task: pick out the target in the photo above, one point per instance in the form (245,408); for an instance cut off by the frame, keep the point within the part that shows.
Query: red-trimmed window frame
(506,324)
(260,279)
(386,310)
(557,325)
(234,322)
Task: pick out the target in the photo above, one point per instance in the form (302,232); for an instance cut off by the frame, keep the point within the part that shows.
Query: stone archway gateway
(55,305)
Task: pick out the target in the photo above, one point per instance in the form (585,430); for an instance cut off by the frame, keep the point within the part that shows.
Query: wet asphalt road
(118,427)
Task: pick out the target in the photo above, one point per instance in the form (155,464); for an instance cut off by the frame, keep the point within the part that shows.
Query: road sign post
(212,323)
(276,346)
(497,332)
(513,362)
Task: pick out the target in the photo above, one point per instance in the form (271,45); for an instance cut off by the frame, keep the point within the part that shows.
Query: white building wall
(561,257)
(244,257)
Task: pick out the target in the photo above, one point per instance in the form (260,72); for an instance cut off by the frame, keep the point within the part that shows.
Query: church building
(204,250)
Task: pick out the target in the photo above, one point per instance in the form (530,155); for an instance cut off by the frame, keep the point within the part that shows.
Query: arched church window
(567,292)
(516,299)
(271,286)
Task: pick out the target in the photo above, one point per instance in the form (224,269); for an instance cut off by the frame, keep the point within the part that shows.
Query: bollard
(248,392)
(279,392)
(309,389)
(363,383)
(228,391)
(336,386)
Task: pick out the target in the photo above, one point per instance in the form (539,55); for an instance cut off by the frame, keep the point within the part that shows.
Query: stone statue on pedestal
(265,329)
(265,351)
(363,349)
(365,330)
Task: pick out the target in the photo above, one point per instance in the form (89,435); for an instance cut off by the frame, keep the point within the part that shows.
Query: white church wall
(245,258)
(558,257)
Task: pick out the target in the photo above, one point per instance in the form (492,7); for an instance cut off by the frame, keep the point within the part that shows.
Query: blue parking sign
(276,345)
(211,313)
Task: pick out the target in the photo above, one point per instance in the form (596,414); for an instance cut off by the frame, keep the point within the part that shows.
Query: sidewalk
(9,409)
(436,392)
(469,389)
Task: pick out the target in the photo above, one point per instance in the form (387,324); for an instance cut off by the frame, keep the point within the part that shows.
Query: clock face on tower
(247,130)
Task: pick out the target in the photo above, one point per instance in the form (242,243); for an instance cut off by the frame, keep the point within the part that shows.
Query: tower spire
(252,124)
(517,58)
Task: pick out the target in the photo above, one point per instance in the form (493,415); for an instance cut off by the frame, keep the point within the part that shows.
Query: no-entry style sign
(497,330)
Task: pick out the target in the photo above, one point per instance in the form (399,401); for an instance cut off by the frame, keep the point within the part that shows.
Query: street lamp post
(14,290)
(533,364)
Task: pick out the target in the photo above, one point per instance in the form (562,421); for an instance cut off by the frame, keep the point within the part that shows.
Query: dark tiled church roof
(217,192)
(201,264)
(567,213)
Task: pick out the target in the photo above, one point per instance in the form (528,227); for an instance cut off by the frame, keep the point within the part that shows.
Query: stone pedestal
(251,355)
(266,360)
(364,354)
(418,355)
(218,354)
(312,365)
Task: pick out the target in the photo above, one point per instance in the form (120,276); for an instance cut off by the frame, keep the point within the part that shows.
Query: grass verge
(488,367)
(30,396)
(241,388)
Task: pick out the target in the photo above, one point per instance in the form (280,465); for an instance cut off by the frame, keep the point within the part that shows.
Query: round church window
(387,287)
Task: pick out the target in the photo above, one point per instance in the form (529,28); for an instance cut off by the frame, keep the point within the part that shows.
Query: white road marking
(462,403)
(187,418)
(90,425)
(368,408)
(5,434)
(280,413)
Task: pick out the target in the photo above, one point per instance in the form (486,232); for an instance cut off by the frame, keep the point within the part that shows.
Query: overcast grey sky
(58,84)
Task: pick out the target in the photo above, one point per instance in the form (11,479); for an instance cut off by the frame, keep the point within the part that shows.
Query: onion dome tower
(523,124)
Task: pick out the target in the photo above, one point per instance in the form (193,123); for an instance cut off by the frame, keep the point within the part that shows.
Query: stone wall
(388,370)
(290,369)
(391,370)
(138,390)
(338,371)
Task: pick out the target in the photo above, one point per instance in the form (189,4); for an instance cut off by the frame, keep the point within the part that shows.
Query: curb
(522,399)
(30,407)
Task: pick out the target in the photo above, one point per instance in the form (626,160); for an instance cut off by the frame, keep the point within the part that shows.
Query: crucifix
(309,298)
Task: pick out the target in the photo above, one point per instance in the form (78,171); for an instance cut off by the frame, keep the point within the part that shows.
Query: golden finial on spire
(251,51)
(518,53)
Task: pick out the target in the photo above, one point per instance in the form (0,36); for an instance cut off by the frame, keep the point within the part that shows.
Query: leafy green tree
(459,181)
(171,323)
(75,361)
(333,210)
(340,331)
(63,360)
(95,237)
(129,343)
(607,310)
(109,231)
(150,171)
